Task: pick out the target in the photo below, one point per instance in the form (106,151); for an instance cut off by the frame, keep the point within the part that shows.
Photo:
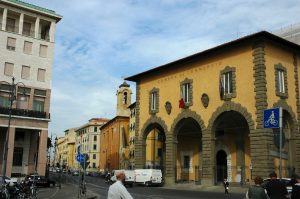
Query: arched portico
(230,129)
(187,132)
(153,144)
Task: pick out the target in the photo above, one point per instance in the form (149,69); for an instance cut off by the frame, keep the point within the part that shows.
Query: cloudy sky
(99,42)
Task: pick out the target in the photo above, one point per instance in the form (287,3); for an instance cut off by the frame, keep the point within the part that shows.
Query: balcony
(25,113)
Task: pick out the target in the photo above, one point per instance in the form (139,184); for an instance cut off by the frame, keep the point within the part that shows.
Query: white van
(129,177)
(148,176)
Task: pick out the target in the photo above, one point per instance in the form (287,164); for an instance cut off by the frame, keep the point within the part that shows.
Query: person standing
(296,188)
(256,191)
(276,189)
(226,185)
(118,190)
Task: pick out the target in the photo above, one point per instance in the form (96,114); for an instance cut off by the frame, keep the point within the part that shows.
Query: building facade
(70,140)
(88,138)
(26,57)
(115,134)
(207,112)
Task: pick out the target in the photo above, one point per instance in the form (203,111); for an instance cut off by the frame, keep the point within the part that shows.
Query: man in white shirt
(118,190)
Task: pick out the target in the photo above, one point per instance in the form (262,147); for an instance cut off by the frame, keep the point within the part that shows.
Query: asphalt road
(97,186)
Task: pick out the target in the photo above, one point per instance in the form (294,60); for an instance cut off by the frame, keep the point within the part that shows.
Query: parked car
(8,179)
(41,181)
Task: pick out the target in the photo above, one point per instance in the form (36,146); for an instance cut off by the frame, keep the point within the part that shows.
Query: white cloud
(98,42)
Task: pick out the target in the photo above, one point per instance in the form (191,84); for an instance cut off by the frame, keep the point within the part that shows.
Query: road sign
(80,157)
(272,118)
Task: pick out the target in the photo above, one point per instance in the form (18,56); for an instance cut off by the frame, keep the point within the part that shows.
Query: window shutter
(43,51)
(27,47)
(25,72)
(11,42)
(8,69)
(41,75)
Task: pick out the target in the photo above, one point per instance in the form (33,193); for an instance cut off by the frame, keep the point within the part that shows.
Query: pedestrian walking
(256,191)
(276,189)
(118,190)
(296,188)
(226,185)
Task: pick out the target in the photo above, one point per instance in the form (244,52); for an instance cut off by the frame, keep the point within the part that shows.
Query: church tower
(123,99)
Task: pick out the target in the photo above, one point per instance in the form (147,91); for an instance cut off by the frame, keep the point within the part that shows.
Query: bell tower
(123,99)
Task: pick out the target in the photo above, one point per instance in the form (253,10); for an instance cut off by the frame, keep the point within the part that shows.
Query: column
(208,157)
(36,28)
(42,152)
(10,152)
(170,159)
(52,31)
(4,19)
(21,23)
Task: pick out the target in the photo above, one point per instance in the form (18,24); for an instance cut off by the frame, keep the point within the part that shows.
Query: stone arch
(186,114)
(232,106)
(153,120)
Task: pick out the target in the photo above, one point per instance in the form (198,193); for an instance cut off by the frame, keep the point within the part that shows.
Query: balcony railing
(25,113)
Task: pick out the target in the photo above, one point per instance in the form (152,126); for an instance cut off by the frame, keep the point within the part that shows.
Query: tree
(49,143)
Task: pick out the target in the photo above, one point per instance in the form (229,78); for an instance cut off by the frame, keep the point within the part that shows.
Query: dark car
(41,181)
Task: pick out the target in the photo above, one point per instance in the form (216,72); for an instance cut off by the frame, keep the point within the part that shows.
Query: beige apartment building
(26,57)
(88,138)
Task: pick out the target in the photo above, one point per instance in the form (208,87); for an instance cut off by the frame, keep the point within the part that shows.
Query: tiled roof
(38,8)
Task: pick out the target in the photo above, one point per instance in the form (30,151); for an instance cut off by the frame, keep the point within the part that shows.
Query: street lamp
(12,97)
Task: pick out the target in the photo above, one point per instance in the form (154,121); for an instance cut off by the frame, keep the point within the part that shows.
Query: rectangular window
(11,43)
(27,29)
(280,82)
(27,47)
(95,129)
(227,83)
(153,101)
(185,92)
(95,138)
(25,74)
(38,104)
(95,147)
(18,156)
(43,51)
(94,165)
(41,75)
(94,156)
(8,69)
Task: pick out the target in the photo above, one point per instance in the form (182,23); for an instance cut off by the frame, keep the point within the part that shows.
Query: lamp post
(12,97)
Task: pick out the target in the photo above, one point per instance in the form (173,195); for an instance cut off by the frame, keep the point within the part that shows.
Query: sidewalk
(67,191)
(195,187)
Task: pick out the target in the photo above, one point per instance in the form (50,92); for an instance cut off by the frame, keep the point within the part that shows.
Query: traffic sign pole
(280,143)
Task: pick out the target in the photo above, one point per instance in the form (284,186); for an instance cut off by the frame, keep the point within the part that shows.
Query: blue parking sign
(272,118)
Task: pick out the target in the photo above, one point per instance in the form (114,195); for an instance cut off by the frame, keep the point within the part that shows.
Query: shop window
(38,104)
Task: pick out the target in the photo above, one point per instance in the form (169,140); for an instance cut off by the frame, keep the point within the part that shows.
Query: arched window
(125,98)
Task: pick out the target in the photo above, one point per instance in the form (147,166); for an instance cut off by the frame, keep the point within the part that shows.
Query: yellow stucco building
(207,112)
